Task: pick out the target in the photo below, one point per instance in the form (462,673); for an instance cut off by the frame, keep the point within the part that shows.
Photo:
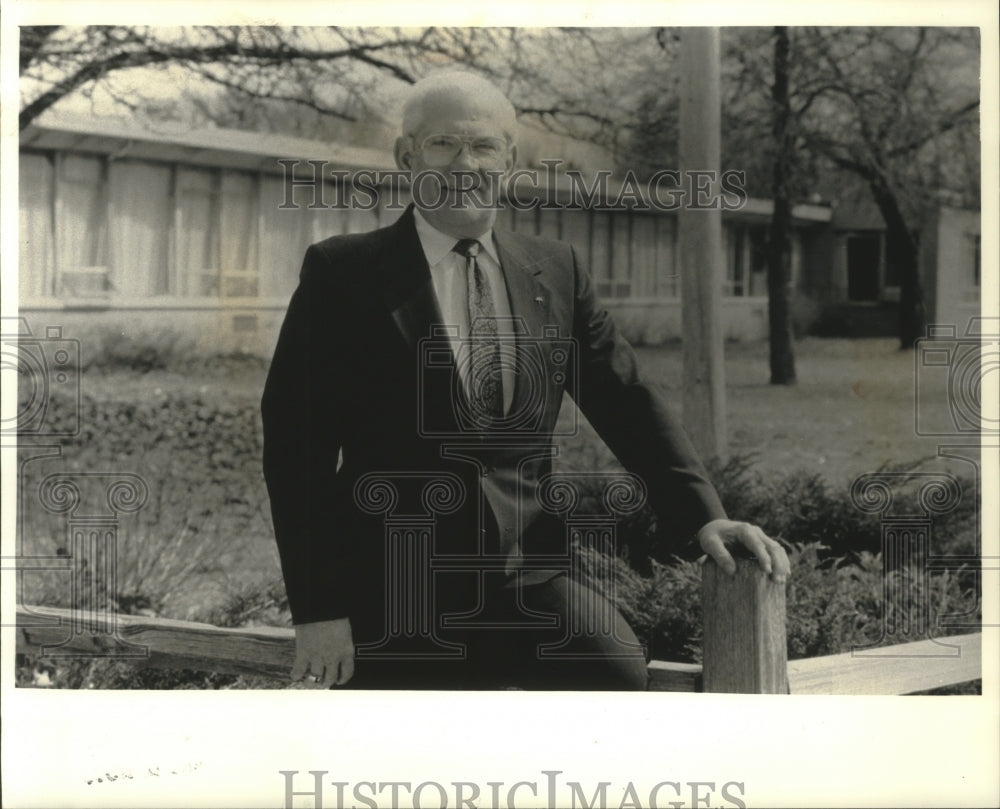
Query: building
(201,234)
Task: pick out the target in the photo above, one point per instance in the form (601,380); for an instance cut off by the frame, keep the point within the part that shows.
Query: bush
(804,509)
(110,350)
(157,349)
(832,605)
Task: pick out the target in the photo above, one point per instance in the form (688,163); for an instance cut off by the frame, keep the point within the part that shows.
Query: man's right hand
(325,651)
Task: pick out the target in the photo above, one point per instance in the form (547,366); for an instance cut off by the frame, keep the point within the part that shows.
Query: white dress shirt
(451,285)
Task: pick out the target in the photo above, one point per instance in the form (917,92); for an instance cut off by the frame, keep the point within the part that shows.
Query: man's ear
(401,151)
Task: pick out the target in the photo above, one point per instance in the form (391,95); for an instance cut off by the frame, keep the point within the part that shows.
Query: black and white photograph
(388,392)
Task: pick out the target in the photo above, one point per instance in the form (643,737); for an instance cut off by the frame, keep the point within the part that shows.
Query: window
(746,260)
(238,236)
(287,232)
(864,262)
(139,217)
(610,254)
(217,240)
(668,279)
(81,233)
(36,263)
(95,226)
(197,239)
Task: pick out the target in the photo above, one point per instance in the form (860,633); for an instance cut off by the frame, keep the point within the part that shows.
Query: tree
(259,62)
(563,80)
(780,242)
(892,110)
(881,103)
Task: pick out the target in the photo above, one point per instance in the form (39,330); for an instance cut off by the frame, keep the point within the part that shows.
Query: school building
(191,232)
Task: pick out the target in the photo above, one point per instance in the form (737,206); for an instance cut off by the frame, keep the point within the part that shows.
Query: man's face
(463,141)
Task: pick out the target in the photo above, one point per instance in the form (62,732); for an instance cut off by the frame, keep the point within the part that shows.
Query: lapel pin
(540,301)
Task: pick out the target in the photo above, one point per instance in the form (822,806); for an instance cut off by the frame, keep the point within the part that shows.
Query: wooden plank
(744,648)
(900,669)
(170,644)
(678,677)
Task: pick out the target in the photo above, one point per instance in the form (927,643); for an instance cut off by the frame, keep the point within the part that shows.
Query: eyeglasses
(440,149)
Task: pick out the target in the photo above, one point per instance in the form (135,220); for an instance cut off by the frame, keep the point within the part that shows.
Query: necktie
(485,369)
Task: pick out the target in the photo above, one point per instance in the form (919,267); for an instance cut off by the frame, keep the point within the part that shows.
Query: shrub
(804,509)
(112,350)
(832,605)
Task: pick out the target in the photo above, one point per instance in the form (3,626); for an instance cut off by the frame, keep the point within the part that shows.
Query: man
(421,353)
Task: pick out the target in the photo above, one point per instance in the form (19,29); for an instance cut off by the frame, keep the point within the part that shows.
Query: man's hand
(714,537)
(324,650)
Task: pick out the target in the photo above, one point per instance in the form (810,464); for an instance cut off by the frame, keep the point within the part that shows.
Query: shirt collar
(437,245)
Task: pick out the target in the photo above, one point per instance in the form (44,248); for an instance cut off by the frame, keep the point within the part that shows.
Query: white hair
(458,82)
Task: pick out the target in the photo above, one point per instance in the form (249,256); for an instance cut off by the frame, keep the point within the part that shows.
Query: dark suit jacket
(357,371)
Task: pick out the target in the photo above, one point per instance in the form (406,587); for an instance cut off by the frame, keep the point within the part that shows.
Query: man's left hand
(716,535)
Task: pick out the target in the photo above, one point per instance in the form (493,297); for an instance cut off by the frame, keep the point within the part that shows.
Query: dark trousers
(556,635)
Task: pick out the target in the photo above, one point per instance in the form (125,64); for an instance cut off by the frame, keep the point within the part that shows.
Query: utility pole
(700,241)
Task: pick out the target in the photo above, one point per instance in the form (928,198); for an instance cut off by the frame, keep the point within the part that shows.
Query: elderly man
(432,355)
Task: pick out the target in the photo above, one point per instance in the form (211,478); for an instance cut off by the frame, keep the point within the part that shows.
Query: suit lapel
(530,304)
(408,293)
(407,289)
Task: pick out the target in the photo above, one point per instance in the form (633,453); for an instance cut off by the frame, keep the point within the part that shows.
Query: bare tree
(881,103)
(563,80)
(893,111)
(292,64)
(780,243)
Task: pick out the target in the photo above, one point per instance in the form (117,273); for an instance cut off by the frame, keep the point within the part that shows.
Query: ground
(852,410)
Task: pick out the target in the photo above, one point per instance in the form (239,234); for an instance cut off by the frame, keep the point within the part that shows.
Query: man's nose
(464,159)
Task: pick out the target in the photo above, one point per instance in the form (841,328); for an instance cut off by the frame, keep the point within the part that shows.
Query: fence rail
(743,650)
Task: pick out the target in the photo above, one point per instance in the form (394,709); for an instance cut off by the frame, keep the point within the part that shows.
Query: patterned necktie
(485,370)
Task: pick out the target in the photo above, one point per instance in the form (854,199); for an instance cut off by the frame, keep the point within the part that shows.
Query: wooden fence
(744,648)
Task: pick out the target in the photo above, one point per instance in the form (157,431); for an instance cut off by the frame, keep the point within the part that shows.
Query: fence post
(743,621)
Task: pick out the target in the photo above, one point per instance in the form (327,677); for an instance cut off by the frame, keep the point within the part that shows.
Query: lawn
(851,411)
